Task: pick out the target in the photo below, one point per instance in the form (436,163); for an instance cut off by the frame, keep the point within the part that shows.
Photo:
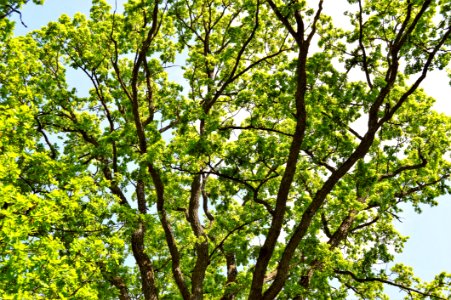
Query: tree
(249,178)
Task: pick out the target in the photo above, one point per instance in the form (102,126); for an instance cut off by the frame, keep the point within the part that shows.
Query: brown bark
(117,281)
(202,257)
(169,235)
(232,273)
(120,285)
(268,247)
(137,241)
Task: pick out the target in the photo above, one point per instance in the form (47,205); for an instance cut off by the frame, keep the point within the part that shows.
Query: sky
(428,250)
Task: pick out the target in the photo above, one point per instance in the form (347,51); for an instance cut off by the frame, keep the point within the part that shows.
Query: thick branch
(232,274)
(137,241)
(141,55)
(117,281)
(267,249)
(307,217)
(202,258)
(169,235)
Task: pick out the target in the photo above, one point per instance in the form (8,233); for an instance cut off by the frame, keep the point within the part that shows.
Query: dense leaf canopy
(273,166)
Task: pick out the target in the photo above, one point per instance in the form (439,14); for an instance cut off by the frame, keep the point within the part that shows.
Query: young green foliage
(245,177)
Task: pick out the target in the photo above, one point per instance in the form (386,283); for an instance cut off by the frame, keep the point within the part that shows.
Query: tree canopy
(272,166)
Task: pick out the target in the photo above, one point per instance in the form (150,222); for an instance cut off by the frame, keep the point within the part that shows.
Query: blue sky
(428,250)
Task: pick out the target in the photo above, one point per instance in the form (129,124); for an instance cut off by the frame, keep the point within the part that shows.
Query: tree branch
(362,47)
(283,19)
(375,279)
(405,168)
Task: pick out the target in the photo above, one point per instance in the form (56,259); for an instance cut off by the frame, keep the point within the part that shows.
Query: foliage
(8,8)
(274,168)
